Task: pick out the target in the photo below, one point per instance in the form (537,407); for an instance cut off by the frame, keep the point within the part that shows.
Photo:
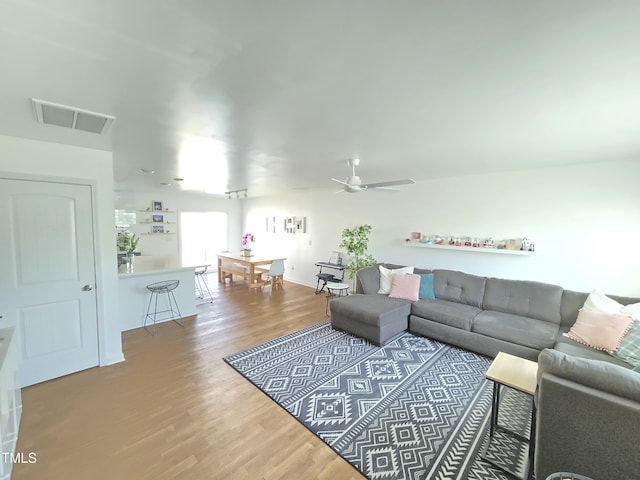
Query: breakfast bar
(134,295)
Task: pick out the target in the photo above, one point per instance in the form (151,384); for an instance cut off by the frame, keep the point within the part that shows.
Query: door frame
(103,274)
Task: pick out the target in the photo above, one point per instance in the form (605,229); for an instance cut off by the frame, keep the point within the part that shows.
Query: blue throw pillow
(426,286)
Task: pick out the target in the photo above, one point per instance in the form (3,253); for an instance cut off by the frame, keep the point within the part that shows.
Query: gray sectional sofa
(588,402)
(481,314)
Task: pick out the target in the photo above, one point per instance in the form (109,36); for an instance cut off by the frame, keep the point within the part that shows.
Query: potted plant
(248,239)
(356,243)
(128,242)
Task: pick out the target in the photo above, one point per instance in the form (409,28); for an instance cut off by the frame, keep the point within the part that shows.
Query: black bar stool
(167,287)
(201,284)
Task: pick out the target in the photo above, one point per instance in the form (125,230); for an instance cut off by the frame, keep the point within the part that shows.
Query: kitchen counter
(134,295)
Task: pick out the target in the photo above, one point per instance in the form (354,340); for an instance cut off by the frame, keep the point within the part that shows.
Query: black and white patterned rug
(413,409)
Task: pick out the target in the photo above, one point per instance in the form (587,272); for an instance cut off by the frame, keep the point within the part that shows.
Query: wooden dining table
(230,264)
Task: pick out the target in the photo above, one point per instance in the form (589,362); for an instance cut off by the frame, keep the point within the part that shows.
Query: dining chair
(275,275)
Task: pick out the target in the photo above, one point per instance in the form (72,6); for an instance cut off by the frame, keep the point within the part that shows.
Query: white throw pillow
(633,310)
(385,277)
(599,302)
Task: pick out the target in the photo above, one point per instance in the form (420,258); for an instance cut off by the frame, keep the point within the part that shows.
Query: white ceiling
(272,95)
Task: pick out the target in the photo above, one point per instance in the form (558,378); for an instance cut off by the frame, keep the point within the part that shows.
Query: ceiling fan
(353,184)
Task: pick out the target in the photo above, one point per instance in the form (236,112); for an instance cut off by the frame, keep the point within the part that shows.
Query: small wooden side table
(520,374)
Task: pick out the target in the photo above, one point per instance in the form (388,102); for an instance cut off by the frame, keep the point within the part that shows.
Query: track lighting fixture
(237,192)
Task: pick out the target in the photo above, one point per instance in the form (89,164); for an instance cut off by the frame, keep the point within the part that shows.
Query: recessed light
(178,179)
(165,184)
(147,171)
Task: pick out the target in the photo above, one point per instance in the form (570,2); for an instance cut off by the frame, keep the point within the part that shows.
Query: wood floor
(175,409)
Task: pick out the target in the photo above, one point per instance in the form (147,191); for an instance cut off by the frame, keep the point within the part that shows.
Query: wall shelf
(503,251)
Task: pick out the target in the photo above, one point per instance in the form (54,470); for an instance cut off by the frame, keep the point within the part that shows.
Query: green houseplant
(355,241)
(128,242)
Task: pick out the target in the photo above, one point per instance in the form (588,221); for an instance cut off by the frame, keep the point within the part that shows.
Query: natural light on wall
(203,164)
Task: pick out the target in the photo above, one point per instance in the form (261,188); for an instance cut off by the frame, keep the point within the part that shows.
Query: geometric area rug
(413,409)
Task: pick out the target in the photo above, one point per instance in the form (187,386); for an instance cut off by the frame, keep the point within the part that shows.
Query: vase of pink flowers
(248,240)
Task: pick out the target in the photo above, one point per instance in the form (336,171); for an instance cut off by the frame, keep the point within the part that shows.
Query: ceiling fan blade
(383,188)
(390,183)
(340,182)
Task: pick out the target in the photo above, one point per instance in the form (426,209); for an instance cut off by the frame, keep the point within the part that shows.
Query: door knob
(87,288)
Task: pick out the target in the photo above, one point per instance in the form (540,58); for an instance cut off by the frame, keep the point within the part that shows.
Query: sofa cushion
(426,286)
(370,309)
(459,287)
(525,331)
(405,286)
(599,302)
(629,349)
(386,277)
(368,278)
(528,299)
(571,347)
(448,313)
(574,301)
(602,331)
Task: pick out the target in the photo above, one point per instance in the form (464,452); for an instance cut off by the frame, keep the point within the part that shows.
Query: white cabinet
(10,401)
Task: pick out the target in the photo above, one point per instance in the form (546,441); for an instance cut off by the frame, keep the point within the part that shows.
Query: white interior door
(47,276)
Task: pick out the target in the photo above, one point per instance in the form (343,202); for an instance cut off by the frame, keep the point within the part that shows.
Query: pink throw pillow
(602,331)
(405,286)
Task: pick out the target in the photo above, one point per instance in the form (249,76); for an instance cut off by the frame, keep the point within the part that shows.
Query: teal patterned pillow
(629,350)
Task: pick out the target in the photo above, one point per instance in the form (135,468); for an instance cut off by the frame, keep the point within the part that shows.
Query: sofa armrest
(603,376)
(587,418)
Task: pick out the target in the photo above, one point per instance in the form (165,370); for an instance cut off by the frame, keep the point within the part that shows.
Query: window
(202,236)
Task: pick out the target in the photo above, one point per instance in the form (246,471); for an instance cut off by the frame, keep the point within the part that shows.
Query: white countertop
(142,271)
(151,265)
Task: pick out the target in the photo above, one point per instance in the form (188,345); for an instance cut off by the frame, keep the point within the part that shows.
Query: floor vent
(71,117)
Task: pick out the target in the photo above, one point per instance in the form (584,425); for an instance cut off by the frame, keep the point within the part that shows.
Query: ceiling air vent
(71,117)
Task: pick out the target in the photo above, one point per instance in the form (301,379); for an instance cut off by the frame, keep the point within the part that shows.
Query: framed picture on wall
(158,218)
(158,229)
(156,206)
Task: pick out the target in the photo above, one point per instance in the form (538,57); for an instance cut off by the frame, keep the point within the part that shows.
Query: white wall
(31,159)
(584,220)
(168,245)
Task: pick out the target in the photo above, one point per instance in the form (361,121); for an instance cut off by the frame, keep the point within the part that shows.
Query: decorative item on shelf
(502,245)
(452,241)
(511,244)
(527,245)
(415,236)
(489,243)
(475,242)
(457,242)
(248,240)
(438,240)
(467,241)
